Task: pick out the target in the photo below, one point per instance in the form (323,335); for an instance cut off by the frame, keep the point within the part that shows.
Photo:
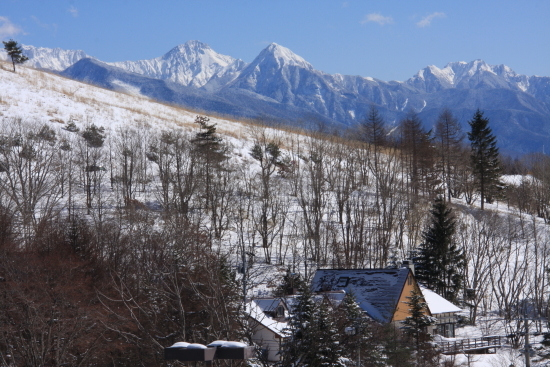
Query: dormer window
(280,311)
(342,282)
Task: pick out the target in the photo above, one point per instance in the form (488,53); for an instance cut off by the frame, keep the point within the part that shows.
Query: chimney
(409,264)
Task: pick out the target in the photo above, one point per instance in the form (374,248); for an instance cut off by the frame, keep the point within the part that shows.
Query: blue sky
(389,40)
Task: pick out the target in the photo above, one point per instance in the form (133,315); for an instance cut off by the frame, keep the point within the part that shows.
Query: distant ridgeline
(281,86)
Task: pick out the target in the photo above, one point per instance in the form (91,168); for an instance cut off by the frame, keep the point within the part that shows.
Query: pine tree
(416,324)
(94,137)
(440,262)
(299,345)
(15,52)
(207,141)
(358,340)
(328,350)
(485,159)
(211,153)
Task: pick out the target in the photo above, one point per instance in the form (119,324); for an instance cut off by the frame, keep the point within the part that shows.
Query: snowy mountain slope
(241,103)
(522,121)
(49,98)
(191,64)
(280,74)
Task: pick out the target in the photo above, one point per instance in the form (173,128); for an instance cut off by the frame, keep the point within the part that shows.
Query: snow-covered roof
(255,312)
(268,304)
(335,298)
(377,291)
(436,303)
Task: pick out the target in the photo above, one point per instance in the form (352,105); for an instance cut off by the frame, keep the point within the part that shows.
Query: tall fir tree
(416,324)
(328,350)
(298,346)
(440,262)
(357,334)
(485,159)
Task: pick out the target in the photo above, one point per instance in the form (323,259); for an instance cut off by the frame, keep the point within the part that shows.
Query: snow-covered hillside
(41,96)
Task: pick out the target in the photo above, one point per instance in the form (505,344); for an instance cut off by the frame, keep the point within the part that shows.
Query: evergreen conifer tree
(397,352)
(14,52)
(207,142)
(299,345)
(440,262)
(358,340)
(328,350)
(415,325)
(485,159)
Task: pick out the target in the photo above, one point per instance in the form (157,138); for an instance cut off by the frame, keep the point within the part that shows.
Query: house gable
(402,308)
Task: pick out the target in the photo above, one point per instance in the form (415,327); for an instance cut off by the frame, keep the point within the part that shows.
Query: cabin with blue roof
(381,293)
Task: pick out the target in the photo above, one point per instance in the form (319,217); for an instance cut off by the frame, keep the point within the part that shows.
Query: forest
(116,243)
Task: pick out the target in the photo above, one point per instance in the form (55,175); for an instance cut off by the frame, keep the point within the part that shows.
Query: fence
(470,345)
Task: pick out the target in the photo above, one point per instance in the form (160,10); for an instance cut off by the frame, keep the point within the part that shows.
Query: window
(446,330)
(280,311)
(342,282)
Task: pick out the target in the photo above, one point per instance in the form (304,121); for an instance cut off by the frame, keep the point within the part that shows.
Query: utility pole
(245,273)
(527,346)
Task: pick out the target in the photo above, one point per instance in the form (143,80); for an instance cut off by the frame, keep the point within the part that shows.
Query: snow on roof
(255,312)
(227,344)
(268,304)
(377,291)
(335,298)
(436,303)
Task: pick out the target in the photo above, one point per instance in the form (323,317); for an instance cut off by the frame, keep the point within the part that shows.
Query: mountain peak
(282,56)
(189,47)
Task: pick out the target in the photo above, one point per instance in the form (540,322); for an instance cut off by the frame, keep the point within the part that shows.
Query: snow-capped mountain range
(192,64)
(55,59)
(279,84)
